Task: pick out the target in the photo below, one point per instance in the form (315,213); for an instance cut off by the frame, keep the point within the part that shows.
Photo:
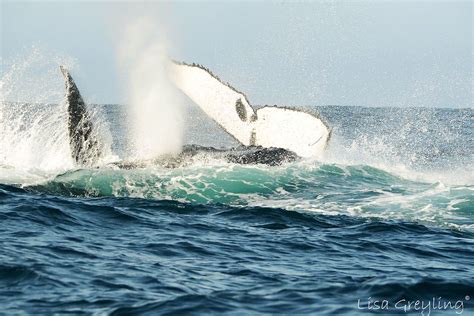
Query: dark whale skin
(82,138)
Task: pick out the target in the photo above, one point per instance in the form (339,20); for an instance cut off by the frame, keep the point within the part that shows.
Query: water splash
(34,137)
(33,131)
(421,144)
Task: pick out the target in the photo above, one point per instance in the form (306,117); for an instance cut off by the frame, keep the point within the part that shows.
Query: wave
(218,182)
(56,210)
(331,189)
(160,256)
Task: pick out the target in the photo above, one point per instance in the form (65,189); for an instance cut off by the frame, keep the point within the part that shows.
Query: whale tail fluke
(85,149)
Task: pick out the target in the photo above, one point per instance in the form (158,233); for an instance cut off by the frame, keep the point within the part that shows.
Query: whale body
(270,135)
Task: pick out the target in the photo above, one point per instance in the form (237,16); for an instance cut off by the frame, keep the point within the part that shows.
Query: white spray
(33,130)
(155,110)
(34,138)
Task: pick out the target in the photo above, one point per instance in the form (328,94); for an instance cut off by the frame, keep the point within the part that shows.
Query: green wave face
(326,188)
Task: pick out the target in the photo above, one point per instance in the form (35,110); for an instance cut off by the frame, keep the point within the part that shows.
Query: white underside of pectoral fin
(303,133)
(300,132)
(222,103)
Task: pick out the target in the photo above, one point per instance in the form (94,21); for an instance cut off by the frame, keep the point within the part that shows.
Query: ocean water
(384,220)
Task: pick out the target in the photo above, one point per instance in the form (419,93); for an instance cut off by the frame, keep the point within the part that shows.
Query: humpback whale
(269,135)
(270,126)
(82,134)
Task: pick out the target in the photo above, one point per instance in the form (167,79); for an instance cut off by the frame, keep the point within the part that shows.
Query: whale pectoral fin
(82,136)
(225,105)
(291,129)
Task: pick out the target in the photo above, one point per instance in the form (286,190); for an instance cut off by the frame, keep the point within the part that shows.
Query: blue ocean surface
(383,224)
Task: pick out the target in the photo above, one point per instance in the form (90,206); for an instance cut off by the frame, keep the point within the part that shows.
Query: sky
(367,53)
